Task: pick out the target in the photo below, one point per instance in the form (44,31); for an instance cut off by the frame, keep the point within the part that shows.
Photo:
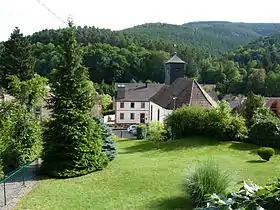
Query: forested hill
(213,36)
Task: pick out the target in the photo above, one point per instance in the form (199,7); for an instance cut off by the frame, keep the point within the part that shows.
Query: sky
(30,16)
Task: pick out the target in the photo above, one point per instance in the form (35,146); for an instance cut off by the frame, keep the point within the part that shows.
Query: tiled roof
(183,91)
(175,59)
(139,91)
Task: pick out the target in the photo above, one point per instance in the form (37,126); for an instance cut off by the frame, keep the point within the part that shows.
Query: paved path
(16,187)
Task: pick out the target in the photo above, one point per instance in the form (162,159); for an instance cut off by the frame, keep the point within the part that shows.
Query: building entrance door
(142,118)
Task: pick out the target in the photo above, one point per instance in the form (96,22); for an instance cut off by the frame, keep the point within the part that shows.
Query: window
(151,112)
(158,114)
(132,105)
(121,116)
(142,104)
(122,105)
(132,116)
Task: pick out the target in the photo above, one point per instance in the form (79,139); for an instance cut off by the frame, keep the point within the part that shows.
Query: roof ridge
(191,93)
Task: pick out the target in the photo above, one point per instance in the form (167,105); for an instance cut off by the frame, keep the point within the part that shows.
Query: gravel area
(17,186)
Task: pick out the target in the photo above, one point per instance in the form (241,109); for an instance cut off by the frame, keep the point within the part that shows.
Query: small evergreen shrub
(108,144)
(265,153)
(205,178)
(141,131)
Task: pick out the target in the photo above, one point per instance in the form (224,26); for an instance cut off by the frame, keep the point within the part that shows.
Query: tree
(106,101)
(250,106)
(16,59)
(256,81)
(72,145)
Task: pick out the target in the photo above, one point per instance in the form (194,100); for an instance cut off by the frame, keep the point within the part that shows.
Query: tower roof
(175,59)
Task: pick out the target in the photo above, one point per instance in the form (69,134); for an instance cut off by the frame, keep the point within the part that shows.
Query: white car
(131,128)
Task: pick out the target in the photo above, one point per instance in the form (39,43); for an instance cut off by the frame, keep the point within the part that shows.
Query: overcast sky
(30,16)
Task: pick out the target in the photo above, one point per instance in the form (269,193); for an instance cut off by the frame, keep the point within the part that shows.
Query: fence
(14,184)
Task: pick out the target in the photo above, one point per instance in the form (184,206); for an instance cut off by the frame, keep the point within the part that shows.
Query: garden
(177,165)
(215,158)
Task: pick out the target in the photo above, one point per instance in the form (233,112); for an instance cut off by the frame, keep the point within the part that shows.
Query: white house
(141,103)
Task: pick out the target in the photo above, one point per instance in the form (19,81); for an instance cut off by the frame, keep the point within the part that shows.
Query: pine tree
(72,145)
(16,59)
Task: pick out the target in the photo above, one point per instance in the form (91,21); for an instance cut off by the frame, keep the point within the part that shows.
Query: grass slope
(145,178)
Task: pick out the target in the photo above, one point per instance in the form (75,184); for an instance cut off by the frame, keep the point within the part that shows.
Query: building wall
(154,108)
(127,110)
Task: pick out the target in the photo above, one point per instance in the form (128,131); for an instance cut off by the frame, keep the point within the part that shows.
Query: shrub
(216,122)
(205,178)
(265,153)
(156,133)
(21,135)
(262,114)
(266,132)
(141,131)
(108,144)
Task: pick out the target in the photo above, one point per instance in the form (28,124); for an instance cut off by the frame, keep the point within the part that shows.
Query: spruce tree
(16,59)
(73,140)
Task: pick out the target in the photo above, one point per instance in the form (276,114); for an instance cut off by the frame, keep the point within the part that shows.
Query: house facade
(142,103)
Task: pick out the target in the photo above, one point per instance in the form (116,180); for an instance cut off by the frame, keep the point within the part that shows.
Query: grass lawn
(142,177)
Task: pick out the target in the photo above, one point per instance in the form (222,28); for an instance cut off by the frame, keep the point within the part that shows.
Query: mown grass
(142,177)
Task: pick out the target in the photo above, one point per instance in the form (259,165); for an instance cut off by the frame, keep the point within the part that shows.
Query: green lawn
(142,177)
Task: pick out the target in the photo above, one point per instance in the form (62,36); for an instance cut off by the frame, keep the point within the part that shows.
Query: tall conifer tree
(16,59)
(73,140)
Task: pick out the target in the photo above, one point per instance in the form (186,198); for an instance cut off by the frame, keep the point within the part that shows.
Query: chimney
(121,92)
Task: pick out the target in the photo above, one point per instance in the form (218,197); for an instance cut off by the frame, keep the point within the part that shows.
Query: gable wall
(198,98)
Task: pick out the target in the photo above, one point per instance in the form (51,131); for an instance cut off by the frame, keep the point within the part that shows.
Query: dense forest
(213,37)
(138,54)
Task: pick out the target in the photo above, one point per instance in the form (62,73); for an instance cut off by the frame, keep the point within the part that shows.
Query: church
(143,102)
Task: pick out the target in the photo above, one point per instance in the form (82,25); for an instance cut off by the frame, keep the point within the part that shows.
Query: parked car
(131,128)
(134,132)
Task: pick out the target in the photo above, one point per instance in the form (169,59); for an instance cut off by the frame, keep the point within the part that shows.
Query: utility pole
(174,102)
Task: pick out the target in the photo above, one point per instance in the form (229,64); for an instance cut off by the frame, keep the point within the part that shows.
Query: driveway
(123,134)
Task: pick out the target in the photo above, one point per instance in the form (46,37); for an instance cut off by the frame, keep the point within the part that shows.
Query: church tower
(174,69)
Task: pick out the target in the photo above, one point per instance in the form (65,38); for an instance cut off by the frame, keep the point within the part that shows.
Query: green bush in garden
(156,133)
(265,153)
(141,131)
(108,144)
(215,122)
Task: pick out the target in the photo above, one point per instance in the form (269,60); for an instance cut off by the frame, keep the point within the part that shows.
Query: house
(142,102)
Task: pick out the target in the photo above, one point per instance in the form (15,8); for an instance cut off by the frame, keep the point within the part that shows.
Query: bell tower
(174,69)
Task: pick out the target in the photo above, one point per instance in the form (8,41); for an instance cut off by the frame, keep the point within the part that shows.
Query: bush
(21,135)
(216,122)
(156,133)
(205,178)
(266,133)
(108,144)
(141,131)
(265,153)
